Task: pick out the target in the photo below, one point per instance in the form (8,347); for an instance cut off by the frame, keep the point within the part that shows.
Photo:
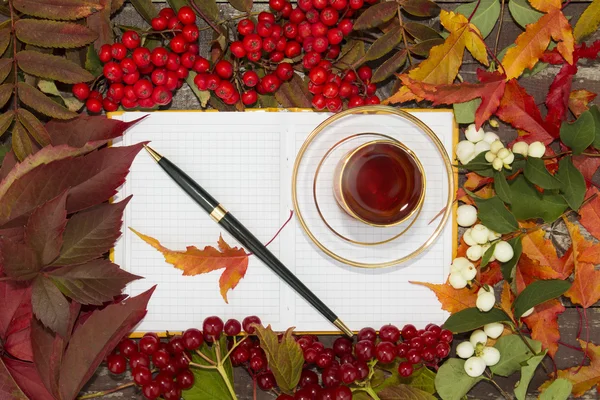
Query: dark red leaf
(8,163)
(93,340)
(8,387)
(15,317)
(45,229)
(26,376)
(85,128)
(20,262)
(587,166)
(420,8)
(557,100)
(99,22)
(518,108)
(91,179)
(91,233)
(50,306)
(584,51)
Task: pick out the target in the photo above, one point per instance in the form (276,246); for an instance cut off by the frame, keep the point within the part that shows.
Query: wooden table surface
(588,77)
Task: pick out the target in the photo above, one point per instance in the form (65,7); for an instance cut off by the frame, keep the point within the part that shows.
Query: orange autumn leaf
(579,100)
(590,213)
(491,274)
(543,254)
(444,61)
(544,324)
(546,5)
(194,261)
(531,44)
(582,378)
(585,289)
(453,300)
(507,299)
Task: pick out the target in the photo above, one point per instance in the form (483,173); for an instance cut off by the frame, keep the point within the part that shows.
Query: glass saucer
(339,235)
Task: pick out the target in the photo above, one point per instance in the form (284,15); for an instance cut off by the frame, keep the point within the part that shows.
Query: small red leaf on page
(194,261)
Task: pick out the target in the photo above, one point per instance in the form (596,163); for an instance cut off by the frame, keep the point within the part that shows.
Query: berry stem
(105,392)
(205,358)
(235,344)
(524,339)
(200,366)
(225,377)
(499,27)
(493,382)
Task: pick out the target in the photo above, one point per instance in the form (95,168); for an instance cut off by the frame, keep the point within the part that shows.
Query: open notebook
(245,161)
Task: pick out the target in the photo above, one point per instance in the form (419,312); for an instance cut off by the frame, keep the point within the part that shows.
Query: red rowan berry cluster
(139,77)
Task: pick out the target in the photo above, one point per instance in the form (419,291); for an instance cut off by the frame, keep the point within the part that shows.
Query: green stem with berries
(493,382)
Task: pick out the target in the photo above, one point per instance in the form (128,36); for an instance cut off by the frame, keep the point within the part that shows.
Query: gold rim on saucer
(347,158)
(375,109)
(418,208)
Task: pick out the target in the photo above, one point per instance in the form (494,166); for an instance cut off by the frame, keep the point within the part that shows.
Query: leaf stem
(474,10)
(566,153)
(524,339)
(499,27)
(105,392)
(493,382)
(14,62)
(404,36)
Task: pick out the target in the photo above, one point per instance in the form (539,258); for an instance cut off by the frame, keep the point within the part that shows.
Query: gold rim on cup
(344,162)
(375,109)
(318,207)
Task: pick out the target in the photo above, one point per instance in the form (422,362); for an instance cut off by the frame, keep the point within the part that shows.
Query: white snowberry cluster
(478,355)
(462,271)
(535,149)
(485,299)
(499,156)
(477,142)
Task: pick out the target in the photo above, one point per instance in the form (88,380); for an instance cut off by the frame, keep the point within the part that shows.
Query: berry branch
(493,382)
(106,392)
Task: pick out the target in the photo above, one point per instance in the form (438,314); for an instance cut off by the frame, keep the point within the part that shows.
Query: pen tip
(343,327)
(153,153)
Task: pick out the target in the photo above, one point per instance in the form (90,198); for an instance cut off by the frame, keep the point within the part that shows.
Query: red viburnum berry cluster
(139,77)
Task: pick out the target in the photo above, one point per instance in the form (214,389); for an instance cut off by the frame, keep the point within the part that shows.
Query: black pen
(235,228)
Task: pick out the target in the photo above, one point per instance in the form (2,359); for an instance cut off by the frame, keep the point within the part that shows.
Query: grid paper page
(238,162)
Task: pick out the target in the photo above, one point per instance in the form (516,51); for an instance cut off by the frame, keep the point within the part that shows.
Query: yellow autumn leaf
(444,61)
(588,22)
(531,44)
(546,5)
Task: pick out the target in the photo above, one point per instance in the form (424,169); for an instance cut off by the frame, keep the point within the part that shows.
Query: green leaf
(285,358)
(420,31)
(6,92)
(501,187)
(420,8)
(487,256)
(479,164)
(508,267)
(422,378)
(146,9)
(208,383)
(177,4)
(528,203)
(52,67)
(595,111)
(71,102)
(376,15)
(572,183)
(471,318)
(241,5)
(202,95)
(513,352)
(539,292)
(588,21)
(294,93)
(6,120)
(527,372)
(5,68)
(495,215)
(209,8)
(452,382)
(38,101)
(464,113)
(34,126)
(560,389)
(523,13)
(580,134)
(535,171)
(389,66)
(21,143)
(352,51)
(57,9)
(404,392)
(384,44)
(45,33)
(49,305)
(423,48)
(92,61)
(5,37)
(485,17)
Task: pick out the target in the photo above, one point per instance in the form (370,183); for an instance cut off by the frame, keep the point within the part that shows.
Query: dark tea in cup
(380,183)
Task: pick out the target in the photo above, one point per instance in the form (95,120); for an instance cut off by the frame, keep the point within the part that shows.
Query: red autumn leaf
(8,387)
(518,108)
(544,324)
(492,274)
(19,260)
(452,300)
(585,289)
(49,305)
(583,378)
(92,341)
(45,226)
(557,99)
(542,252)
(579,100)
(15,318)
(194,261)
(26,376)
(91,179)
(590,213)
